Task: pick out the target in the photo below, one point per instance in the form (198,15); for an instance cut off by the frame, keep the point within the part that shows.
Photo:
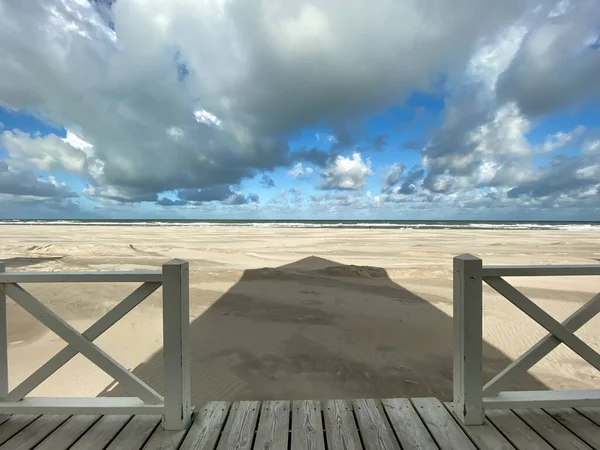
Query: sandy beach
(298,313)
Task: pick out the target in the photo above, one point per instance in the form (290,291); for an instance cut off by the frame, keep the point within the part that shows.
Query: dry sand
(289,313)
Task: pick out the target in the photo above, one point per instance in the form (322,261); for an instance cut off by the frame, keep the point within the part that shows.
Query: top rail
(81,277)
(540,271)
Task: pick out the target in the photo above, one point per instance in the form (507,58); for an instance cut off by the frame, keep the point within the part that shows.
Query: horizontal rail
(80,405)
(81,277)
(540,271)
(542,399)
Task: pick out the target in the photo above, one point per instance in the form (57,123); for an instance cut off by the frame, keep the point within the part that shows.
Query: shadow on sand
(316,329)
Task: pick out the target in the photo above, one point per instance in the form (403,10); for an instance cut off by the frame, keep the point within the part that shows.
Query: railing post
(176,321)
(468,336)
(3,340)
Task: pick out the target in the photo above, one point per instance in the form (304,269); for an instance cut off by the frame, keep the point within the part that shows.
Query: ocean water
(391,224)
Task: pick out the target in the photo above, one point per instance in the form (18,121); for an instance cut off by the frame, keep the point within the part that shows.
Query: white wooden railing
(470,398)
(174,406)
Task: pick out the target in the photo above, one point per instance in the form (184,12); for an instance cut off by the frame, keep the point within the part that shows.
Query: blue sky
(232,109)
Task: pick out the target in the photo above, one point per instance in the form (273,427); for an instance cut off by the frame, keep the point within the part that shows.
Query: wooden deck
(419,423)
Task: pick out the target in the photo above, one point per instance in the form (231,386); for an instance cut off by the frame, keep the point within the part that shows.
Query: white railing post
(176,321)
(468,336)
(3,340)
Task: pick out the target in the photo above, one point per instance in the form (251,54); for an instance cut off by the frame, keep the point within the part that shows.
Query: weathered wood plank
(307,426)
(206,426)
(163,439)
(540,271)
(442,426)
(484,435)
(101,433)
(32,435)
(274,425)
(578,424)
(591,412)
(467,339)
(552,431)
(82,277)
(516,431)
(340,427)
(407,424)
(3,339)
(238,433)
(65,435)
(373,425)
(14,424)
(134,435)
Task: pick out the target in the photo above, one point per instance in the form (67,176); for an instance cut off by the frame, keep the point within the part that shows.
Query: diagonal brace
(81,344)
(541,349)
(544,319)
(92,333)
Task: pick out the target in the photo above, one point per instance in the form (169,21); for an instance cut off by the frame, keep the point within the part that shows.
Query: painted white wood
(542,399)
(545,320)
(82,345)
(93,332)
(468,377)
(142,276)
(81,405)
(540,271)
(541,349)
(176,322)
(3,339)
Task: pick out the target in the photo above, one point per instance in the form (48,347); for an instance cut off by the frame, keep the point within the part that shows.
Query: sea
(360,224)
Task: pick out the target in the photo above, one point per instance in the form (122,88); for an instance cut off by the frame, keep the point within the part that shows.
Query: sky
(298,109)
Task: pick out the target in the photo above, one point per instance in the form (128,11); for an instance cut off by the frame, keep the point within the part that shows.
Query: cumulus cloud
(19,182)
(346,173)
(560,139)
(393,177)
(267,181)
(188,94)
(299,172)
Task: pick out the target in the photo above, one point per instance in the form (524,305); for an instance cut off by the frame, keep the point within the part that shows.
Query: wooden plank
(373,425)
(3,339)
(141,276)
(15,424)
(540,271)
(176,324)
(80,405)
(592,413)
(163,439)
(101,433)
(307,425)
(135,434)
(516,431)
(93,332)
(238,433)
(206,426)
(578,424)
(407,424)
(521,365)
(274,425)
(484,435)
(442,426)
(66,434)
(92,352)
(340,427)
(32,435)
(542,399)
(549,429)
(544,319)
(468,339)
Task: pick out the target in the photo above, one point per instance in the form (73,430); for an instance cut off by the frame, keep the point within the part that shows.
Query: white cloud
(346,173)
(560,139)
(299,172)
